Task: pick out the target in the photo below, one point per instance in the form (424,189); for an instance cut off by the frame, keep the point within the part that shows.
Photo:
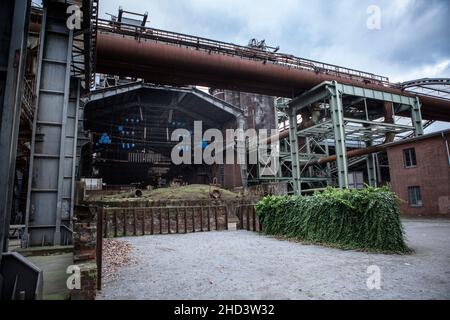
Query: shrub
(367,219)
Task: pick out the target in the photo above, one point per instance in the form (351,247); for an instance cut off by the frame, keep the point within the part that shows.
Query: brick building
(420,174)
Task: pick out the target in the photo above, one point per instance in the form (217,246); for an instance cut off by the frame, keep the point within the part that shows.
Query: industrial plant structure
(102,100)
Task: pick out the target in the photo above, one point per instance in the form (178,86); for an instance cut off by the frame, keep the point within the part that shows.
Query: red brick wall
(432,175)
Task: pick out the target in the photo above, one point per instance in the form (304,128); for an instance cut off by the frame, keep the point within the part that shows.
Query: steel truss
(337,117)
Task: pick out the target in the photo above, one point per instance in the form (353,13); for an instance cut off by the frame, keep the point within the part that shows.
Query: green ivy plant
(367,219)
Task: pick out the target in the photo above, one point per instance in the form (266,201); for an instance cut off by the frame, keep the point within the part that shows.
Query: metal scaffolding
(337,117)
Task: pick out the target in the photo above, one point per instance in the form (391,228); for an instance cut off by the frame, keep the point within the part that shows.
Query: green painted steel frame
(334,92)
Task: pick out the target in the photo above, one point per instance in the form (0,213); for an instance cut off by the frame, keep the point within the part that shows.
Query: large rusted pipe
(352,154)
(169,64)
(35,27)
(389,118)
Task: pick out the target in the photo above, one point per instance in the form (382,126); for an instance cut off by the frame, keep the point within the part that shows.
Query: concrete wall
(432,175)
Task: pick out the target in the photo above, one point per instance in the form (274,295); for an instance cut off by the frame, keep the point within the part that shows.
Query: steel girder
(342,128)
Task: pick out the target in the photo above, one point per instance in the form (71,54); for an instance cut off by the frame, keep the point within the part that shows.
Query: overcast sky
(413,42)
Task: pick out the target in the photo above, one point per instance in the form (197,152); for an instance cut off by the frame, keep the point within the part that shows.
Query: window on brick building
(414,197)
(409,156)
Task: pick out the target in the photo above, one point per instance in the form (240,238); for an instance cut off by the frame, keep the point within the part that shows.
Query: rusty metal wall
(259,112)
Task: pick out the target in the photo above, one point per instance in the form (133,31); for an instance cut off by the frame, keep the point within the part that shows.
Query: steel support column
(371,170)
(371,167)
(241,153)
(73,119)
(328,170)
(416,117)
(11,86)
(293,142)
(51,167)
(377,169)
(337,116)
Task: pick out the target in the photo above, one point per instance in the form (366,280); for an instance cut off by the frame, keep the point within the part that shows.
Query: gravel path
(245,265)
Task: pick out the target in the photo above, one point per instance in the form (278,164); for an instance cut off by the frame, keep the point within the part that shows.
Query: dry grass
(191,192)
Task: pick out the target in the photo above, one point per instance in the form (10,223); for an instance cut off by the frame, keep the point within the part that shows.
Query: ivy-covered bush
(367,219)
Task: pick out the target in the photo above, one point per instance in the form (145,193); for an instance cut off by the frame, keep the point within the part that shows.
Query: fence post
(215,217)
(178,218)
(209,218)
(254,218)
(115,224)
(143,222)
(99,253)
(160,220)
(185,220)
(248,218)
(124,223)
(201,219)
(134,222)
(152,222)
(241,217)
(226,217)
(168,220)
(105,225)
(193,219)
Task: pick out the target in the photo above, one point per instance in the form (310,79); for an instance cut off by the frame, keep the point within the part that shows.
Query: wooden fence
(248,219)
(138,221)
(123,222)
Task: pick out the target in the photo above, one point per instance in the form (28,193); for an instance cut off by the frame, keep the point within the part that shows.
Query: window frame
(417,197)
(409,154)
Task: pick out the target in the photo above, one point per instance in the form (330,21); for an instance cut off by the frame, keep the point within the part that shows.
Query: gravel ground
(245,265)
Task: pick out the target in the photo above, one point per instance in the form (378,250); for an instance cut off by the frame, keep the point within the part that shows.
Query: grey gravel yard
(244,265)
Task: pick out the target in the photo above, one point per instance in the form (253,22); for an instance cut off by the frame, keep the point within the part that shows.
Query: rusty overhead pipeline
(162,63)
